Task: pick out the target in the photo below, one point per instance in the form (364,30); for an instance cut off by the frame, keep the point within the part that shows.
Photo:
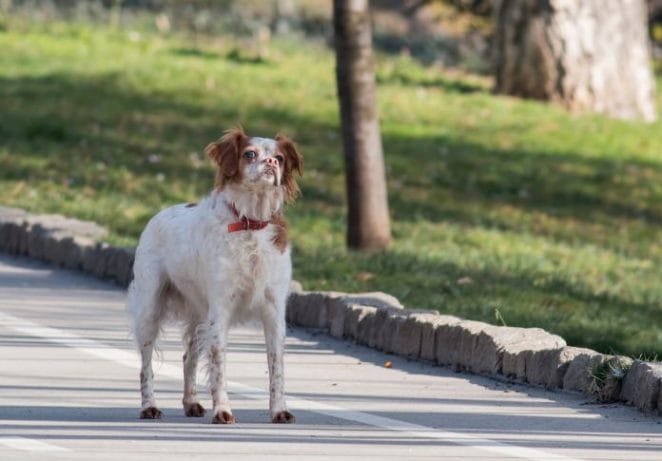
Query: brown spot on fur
(170,291)
(223,417)
(283,417)
(191,205)
(226,152)
(269,296)
(293,162)
(151,413)
(280,236)
(214,356)
(194,410)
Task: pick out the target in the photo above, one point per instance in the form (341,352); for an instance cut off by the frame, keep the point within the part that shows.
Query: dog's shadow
(119,417)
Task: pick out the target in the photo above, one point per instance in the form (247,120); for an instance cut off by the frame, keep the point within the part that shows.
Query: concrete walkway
(69,390)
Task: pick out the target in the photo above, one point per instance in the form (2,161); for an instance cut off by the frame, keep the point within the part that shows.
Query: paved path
(69,390)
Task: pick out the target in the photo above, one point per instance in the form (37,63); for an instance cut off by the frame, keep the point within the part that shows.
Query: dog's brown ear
(226,152)
(293,162)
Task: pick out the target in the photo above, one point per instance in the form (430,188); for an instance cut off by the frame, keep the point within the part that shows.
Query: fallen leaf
(364,276)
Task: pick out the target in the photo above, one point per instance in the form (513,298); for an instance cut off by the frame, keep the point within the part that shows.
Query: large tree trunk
(368,225)
(588,55)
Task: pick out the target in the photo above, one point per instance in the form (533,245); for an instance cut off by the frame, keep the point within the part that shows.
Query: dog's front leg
(190,401)
(274,334)
(216,353)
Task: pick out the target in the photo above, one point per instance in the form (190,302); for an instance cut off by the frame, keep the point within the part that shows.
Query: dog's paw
(283,417)
(150,413)
(194,410)
(223,417)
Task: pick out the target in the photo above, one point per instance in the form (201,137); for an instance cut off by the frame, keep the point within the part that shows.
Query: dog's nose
(271,161)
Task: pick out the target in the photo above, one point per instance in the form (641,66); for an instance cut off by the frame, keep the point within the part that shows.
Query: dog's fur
(190,267)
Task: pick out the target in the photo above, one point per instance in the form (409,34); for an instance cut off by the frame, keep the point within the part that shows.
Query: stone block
(50,246)
(487,357)
(24,239)
(358,321)
(578,374)
(378,326)
(291,307)
(67,253)
(407,339)
(110,269)
(123,265)
(430,322)
(547,367)
(312,310)
(520,354)
(336,313)
(366,320)
(642,386)
(12,223)
(391,330)
(456,343)
(19,239)
(36,241)
(9,237)
(60,248)
(382,329)
(102,258)
(90,255)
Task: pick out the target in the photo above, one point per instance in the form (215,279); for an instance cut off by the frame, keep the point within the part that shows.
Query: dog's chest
(256,262)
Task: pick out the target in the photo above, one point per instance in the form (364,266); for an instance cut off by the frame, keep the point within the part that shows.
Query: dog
(223,261)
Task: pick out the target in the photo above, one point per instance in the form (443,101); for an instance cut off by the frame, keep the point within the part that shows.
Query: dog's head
(256,163)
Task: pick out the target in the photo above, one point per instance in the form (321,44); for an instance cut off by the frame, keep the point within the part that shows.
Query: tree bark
(368,223)
(588,55)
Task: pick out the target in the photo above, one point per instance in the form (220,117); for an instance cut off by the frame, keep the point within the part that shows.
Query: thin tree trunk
(588,55)
(368,224)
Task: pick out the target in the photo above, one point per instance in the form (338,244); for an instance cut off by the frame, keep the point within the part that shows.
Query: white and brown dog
(223,261)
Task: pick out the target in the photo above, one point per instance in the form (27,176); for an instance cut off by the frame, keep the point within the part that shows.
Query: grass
(503,210)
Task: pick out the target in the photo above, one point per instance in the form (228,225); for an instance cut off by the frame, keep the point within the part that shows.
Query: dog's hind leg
(190,401)
(143,303)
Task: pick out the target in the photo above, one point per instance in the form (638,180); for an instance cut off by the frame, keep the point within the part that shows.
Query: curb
(376,320)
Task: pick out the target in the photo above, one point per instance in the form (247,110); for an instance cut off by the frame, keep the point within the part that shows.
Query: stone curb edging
(377,320)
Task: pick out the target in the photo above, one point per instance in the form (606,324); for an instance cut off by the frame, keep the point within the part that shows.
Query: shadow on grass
(76,121)
(447,84)
(70,124)
(195,53)
(561,183)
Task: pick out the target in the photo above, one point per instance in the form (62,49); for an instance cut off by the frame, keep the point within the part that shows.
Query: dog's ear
(226,152)
(293,162)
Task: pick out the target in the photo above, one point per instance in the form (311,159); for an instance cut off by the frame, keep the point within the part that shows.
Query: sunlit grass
(551,219)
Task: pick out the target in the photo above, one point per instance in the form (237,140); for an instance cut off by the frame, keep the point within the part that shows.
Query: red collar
(244,223)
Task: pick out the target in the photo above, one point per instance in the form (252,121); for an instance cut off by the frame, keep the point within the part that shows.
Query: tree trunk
(588,55)
(368,225)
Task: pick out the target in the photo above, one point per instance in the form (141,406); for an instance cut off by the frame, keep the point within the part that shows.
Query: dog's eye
(280,159)
(250,154)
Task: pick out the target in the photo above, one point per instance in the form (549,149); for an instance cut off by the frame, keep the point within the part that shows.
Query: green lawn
(499,205)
